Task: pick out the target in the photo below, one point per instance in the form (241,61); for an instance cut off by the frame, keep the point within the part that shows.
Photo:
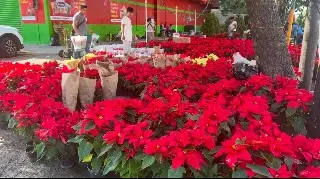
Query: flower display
(191,120)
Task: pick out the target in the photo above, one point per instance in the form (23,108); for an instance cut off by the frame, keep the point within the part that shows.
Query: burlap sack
(87,88)
(109,85)
(159,61)
(91,67)
(70,89)
(172,60)
(144,60)
(105,68)
(157,49)
(182,39)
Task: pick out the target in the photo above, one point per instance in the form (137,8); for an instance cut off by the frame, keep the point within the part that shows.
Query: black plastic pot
(68,162)
(30,143)
(31,153)
(3,125)
(93,174)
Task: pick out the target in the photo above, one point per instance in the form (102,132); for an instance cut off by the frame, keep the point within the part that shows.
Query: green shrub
(211,26)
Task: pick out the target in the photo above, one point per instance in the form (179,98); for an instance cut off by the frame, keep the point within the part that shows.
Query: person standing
(80,28)
(126,30)
(299,35)
(294,33)
(232,28)
(150,29)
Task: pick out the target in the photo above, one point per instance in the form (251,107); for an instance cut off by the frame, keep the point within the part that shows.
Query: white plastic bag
(79,42)
(94,40)
(239,59)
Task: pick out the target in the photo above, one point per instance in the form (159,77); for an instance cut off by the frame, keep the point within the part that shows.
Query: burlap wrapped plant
(109,79)
(159,61)
(70,84)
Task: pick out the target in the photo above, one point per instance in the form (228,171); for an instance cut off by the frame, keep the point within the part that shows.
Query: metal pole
(146,9)
(195,21)
(176,19)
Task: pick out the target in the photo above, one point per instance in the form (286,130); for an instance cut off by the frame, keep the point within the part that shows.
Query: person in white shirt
(126,29)
(232,28)
(150,28)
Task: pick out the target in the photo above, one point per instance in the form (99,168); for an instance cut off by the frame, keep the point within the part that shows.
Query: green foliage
(241,25)
(233,6)
(239,7)
(211,26)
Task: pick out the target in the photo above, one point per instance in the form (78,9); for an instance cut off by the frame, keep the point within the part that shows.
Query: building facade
(103,16)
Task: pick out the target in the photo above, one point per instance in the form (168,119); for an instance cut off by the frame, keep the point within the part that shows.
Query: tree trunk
(309,45)
(269,38)
(313,123)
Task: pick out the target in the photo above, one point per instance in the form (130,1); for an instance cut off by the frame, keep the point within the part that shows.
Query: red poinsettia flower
(193,158)
(310,172)
(303,147)
(281,173)
(235,149)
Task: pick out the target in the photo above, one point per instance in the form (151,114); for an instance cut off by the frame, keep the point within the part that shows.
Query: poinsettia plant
(185,121)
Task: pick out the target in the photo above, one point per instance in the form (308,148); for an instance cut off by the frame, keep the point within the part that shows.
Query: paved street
(15,163)
(36,54)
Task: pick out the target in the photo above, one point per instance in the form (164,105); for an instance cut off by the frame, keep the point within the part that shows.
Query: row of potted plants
(185,121)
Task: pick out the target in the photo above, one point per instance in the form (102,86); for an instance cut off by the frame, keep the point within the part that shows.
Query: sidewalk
(15,163)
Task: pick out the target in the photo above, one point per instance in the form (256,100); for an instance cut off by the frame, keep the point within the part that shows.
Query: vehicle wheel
(8,47)
(60,53)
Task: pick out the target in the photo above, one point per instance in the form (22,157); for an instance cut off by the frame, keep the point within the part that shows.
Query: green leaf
(105,149)
(51,153)
(275,106)
(239,141)
(133,169)
(208,156)
(84,149)
(178,173)
(76,140)
(242,89)
(5,117)
(257,116)
(90,126)
(224,125)
(240,173)
(76,127)
(196,173)
(244,125)
(40,149)
(140,157)
(213,171)
(215,150)
(275,164)
(289,162)
(266,88)
(131,112)
(87,159)
(12,123)
(112,161)
(180,123)
(96,165)
(156,167)
(299,125)
(259,170)
(290,112)
(147,162)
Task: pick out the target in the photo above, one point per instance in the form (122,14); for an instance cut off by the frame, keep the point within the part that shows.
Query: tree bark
(269,38)
(309,44)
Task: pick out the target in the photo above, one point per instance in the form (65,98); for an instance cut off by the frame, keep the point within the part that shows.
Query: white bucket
(79,42)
